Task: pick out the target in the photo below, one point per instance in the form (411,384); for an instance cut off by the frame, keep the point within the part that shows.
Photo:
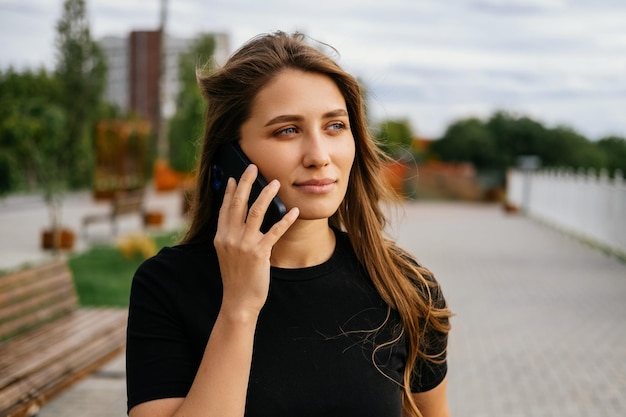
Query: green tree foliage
(564,147)
(8,172)
(185,129)
(43,128)
(468,140)
(498,142)
(81,71)
(33,130)
(19,85)
(614,149)
(394,136)
(20,94)
(514,136)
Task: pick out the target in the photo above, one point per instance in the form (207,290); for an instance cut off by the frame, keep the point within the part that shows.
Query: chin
(316,214)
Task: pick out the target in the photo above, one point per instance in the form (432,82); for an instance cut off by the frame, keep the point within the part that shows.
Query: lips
(317,186)
(314,182)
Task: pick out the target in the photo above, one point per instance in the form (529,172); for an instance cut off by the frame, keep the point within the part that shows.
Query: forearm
(221,382)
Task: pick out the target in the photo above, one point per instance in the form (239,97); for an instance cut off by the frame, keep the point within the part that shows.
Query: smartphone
(230,161)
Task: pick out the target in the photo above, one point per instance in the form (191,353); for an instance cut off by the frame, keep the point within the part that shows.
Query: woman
(321,315)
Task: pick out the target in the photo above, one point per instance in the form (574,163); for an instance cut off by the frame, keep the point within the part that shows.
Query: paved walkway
(540,324)
(539,327)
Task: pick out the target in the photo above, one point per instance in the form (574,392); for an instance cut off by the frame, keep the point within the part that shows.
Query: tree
(394,136)
(497,144)
(186,125)
(18,92)
(32,131)
(515,136)
(8,172)
(468,140)
(81,71)
(614,149)
(564,147)
(43,130)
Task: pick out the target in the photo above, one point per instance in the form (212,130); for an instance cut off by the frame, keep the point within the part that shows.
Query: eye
(288,131)
(337,126)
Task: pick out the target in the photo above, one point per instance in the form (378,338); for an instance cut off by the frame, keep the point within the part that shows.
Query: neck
(306,243)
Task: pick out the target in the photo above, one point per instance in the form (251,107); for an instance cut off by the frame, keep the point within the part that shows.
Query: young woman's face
(299,133)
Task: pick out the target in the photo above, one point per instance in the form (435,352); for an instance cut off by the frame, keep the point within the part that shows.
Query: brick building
(133,76)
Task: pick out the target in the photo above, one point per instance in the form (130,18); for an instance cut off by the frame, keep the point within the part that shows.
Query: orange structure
(121,156)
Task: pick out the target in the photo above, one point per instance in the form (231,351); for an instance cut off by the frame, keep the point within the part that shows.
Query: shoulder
(423,278)
(180,256)
(177,266)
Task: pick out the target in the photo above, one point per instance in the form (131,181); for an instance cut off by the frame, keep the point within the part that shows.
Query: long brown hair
(404,285)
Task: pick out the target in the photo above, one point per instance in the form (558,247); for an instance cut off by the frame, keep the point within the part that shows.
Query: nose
(316,152)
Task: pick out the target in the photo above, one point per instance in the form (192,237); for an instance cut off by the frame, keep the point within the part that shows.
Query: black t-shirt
(315,344)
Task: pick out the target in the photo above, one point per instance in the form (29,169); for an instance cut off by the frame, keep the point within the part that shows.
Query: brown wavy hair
(404,285)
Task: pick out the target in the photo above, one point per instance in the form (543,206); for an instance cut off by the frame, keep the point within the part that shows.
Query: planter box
(63,239)
(153,218)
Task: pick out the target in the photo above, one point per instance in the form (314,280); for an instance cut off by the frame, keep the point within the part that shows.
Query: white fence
(588,205)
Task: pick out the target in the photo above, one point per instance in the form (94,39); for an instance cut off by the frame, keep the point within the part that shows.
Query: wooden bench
(122,203)
(47,343)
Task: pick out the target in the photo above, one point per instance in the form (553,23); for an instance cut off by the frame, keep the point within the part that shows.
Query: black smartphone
(230,161)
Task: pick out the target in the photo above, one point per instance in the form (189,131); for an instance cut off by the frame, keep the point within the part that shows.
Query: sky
(431,62)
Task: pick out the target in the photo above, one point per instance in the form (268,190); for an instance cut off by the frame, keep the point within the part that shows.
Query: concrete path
(539,329)
(540,325)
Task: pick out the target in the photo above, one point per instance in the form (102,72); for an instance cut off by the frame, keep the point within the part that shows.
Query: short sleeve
(427,374)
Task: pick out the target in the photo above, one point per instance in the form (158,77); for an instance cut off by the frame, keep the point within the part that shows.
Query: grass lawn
(102,275)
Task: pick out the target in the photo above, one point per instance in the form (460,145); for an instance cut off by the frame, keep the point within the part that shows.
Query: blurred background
(463,88)
(101,95)
(513,106)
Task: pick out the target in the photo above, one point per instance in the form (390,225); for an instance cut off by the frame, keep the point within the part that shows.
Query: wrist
(238,315)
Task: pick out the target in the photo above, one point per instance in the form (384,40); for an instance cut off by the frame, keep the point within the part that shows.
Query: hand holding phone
(230,161)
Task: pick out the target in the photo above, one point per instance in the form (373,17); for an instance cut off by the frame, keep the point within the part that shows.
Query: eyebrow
(296,118)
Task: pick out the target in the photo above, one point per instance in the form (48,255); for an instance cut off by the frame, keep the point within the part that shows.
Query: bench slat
(20,359)
(37,317)
(43,297)
(34,296)
(23,407)
(123,203)
(55,331)
(50,342)
(128,205)
(16,295)
(63,371)
(36,343)
(18,278)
